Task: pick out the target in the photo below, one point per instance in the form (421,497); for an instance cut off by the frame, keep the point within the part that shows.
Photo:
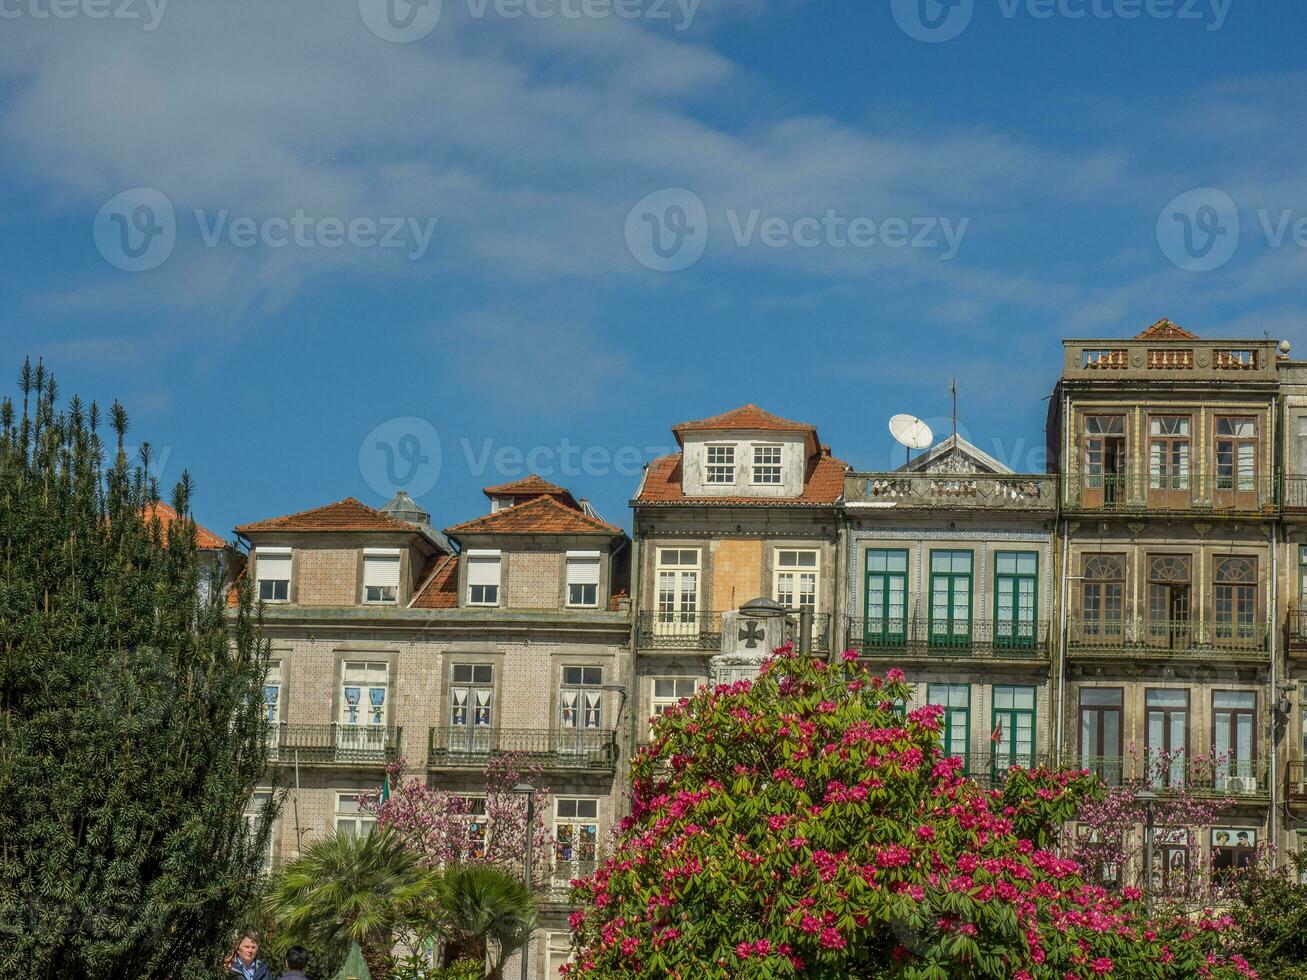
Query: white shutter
(381,568)
(272,563)
(483,569)
(583,568)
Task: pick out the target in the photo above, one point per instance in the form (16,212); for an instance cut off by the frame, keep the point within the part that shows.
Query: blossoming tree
(802,825)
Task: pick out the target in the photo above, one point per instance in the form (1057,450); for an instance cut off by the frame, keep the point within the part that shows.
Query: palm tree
(345,889)
(484,909)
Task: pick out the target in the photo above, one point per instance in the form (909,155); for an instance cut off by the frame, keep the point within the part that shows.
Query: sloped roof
(823,484)
(532,486)
(943,454)
(541,515)
(205,539)
(1164,329)
(344,515)
(747,417)
(440,590)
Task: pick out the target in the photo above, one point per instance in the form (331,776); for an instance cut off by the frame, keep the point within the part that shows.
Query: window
(678,587)
(1168,602)
(253,822)
(1232,850)
(583,578)
(1170,872)
(559,948)
(1236,453)
(1016,576)
(576,836)
(581,698)
(272,703)
(483,578)
(381,576)
(1234,596)
(1167,736)
(721,464)
(1102,594)
(668,692)
(1013,734)
(1104,446)
(767,465)
(1232,738)
(1168,452)
(950,598)
(955,699)
(351,819)
(363,708)
(471,707)
(796,578)
(501,503)
(886,622)
(473,809)
(1100,731)
(272,567)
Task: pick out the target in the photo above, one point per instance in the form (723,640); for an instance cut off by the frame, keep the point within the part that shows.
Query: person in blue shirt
(246,963)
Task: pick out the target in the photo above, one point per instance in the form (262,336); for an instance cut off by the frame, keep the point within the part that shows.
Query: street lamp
(762,608)
(530,792)
(1147,798)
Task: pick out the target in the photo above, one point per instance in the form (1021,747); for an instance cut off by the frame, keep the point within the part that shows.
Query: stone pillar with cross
(746,642)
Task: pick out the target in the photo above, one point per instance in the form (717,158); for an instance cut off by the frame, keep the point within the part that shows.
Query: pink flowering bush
(800,825)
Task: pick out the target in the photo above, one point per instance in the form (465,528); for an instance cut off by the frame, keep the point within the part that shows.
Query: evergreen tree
(132,728)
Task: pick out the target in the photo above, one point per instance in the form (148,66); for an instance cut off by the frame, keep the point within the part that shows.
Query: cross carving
(751,633)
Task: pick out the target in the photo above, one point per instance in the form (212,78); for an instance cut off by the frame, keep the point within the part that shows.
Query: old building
(951,576)
(746,509)
(1165,445)
(509,633)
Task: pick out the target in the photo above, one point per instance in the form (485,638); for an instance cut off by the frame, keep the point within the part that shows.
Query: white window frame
(768,462)
(659,704)
(719,471)
(364,823)
(558,953)
(678,612)
(366,728)
(577,821)
(483,559)
(278,556)
(258,800)
(275,708)
(797,570)
(469,818)
(579,564)
(381,571)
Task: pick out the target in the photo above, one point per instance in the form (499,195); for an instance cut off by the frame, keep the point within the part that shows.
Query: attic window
(380,576)
(767,465)
(721,464)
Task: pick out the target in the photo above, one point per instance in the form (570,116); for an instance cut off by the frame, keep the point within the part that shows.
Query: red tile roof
(749,417)
(823,483)
(205,539)
(530,487)
(440,590)
(1164,329)
(344,515)
(543,515)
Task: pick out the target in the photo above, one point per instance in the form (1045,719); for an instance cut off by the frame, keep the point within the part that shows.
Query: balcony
(703,631)
(921,640)
(1196,362)
(551,749)
(1294,496)
(990,769)
(1204,777)
(950,491)
(1297,778)
(1296,628)
(1152,641)
(333,744)
(1135,493)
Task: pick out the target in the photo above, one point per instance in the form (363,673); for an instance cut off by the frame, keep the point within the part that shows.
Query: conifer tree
(132,726)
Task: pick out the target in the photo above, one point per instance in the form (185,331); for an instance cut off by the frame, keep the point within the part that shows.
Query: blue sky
(531,321)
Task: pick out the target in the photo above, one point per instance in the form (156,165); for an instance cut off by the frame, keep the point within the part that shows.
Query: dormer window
(272,570)
(501,503)
(767,465)
(583,578)
(721,464)
(483,578)
(381,576)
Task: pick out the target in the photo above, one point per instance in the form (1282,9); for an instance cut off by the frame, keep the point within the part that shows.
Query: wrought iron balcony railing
(1294,495)
(951,491)
(924,638)
(1296,623)
(1297,776)
(1205,776)
(703,631)
(990,769)
(470,747)
(335,744)
(563,873)
(1144,492)
(1174,639)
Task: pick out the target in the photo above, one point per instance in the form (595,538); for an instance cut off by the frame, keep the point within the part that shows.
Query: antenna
(910,432)
(953,387)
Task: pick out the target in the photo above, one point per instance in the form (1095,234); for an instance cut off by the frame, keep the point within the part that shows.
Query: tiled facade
(1148,593)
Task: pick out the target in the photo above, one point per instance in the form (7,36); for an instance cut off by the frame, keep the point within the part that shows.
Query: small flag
(385,788)
(996,735)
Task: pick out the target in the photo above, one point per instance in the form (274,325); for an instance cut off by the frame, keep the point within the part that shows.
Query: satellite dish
(910,431)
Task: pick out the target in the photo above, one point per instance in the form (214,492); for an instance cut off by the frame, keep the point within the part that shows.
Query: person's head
(248,948)
(297,958)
